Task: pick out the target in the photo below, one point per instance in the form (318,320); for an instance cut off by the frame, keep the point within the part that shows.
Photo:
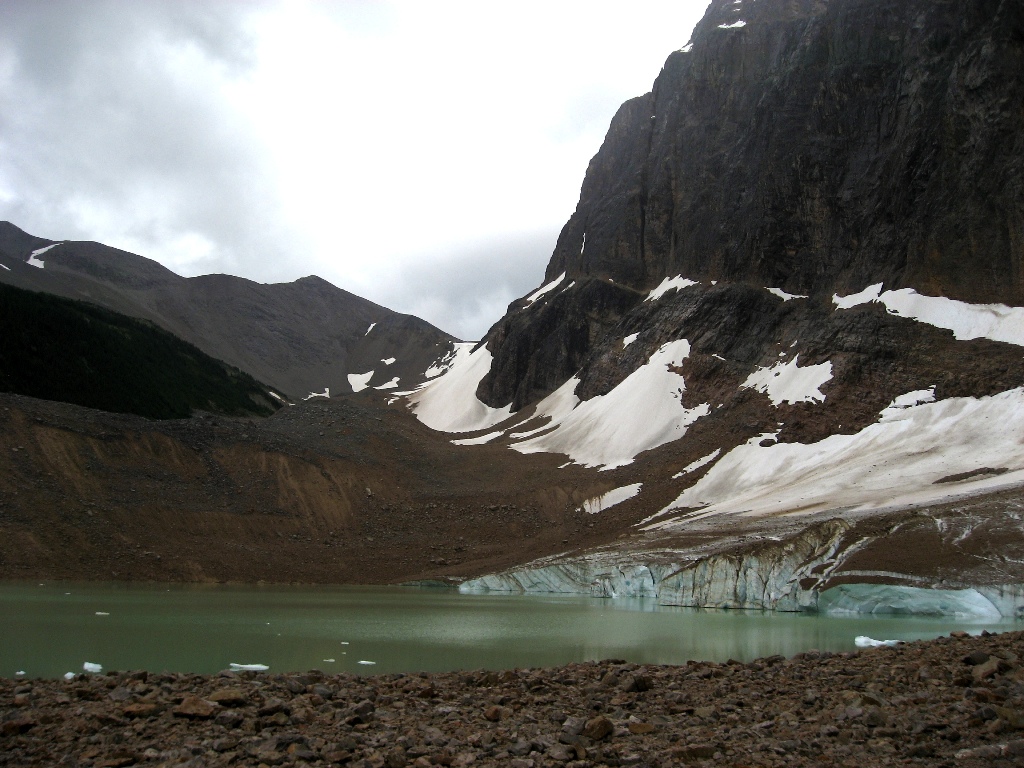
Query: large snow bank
(449,402)
(605,431)
(997,322)
(896,461)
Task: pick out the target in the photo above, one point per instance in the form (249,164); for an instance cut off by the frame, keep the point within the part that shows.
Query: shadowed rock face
(818,148)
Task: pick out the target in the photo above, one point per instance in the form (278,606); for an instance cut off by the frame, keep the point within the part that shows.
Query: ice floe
(545,289)
(610,499)
(360,381)
(604,431)
(676,283)
(449,402)
(997,322)
(896,461)
(367,663)
(863,641)
(789,383)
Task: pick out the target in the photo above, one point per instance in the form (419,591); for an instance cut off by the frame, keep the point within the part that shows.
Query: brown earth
(956,700)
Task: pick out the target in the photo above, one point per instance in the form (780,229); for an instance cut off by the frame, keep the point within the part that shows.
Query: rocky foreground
(956,700)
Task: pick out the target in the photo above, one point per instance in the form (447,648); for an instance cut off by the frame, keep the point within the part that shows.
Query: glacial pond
(52,628)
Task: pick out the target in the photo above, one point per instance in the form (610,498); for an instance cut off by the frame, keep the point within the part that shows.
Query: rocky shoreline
(956,700)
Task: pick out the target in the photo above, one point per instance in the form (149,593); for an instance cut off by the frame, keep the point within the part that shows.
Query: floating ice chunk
(368,663)
(326,393)
(786,296)
(393,384)
(694,466)
(544,289)
(863,641)
(369,329)
(610,499)
(676,283)
(69,675)
(345,642)
(387,360)
(789,383)
(249,667)
(20,673)
(102,613)
(629,339)
(734,25)
(329,661)
(94,668)
(360,381)
(449,403)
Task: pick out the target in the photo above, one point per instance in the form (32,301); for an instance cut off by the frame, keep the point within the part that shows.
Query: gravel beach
(953,701)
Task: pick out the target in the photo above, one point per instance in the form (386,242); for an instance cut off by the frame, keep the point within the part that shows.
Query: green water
(52,628)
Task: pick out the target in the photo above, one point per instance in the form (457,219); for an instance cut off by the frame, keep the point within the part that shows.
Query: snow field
(894,462)
(449,403)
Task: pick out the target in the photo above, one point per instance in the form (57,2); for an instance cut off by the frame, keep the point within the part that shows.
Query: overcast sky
(422,154)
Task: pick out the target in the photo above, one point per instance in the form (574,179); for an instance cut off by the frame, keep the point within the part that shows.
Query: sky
(423,155)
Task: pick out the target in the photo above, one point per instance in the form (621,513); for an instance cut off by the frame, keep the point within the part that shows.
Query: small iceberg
(329,661)
(248,667)
(366,662)
(102,613)
(94,668)
(863,641)
(69,675)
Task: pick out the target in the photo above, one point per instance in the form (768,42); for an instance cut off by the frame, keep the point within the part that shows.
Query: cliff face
(813,147)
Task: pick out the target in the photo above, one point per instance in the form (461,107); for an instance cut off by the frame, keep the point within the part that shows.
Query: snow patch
(604,431)
(387,360)
(610,499)
(786,296)
(629,339)
(997,322)
(441,365)
(701,462)
(789,383)
(393,384)
(913,398)
(676,283)
(276,396)
(449,402)
(35,261)
(369,329)
(359,381)
(5,267)
(544,289)
(482,440)
(734,25)
(895,462)
(686,48)
(325,393)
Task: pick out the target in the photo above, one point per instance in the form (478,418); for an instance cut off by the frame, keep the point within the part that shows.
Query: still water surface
(52,628)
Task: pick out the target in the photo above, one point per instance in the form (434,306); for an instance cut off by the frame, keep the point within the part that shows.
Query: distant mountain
(301,337)
(793,283)
(54,348)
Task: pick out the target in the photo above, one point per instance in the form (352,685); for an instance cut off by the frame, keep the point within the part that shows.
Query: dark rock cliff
(818,147)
